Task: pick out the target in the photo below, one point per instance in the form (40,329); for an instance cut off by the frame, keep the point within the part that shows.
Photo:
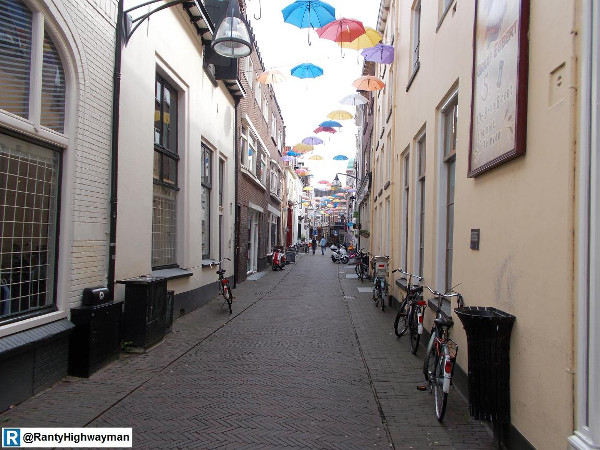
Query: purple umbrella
(381,53)
(312,140)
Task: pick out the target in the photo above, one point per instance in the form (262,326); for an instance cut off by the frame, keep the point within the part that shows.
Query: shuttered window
(22,31)
(15,55)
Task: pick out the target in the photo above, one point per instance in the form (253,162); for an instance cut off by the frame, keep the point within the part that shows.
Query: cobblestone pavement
(304,362)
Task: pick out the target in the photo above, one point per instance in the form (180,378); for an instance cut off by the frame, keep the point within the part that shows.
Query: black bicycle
(440,358)
(411,311)
(362,265)
(224,288)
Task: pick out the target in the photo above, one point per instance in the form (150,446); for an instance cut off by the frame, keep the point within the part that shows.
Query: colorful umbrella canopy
(293,154)
(368,83)
(323,182)
(287,158)
(324,130)
(330,124)
(312,140)
(342,30)
(369,39)
(271,77)
(307,70)
(308,188)
(308,13)
(339,114)
(316,157)
(353,99)
(381,53)
(340,158)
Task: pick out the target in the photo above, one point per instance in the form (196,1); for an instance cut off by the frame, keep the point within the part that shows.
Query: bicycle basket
(380,265)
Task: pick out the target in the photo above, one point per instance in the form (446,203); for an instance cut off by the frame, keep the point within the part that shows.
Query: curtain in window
(53,88)
(164,226)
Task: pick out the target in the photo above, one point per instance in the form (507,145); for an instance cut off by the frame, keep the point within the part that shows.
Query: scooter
(278,258)
(339,255)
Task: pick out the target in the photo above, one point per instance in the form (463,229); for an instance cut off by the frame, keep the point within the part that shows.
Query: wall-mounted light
(232,38)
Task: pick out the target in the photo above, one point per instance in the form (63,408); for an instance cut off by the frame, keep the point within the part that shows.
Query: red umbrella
(342,30)
(325,130)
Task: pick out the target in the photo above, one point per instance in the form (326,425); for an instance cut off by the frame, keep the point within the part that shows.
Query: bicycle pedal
(421,388)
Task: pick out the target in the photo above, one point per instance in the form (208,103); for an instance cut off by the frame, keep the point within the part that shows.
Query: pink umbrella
(342,30)
(325,130)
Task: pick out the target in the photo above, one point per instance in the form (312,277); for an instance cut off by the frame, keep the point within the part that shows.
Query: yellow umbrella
(308,188)
(369,39)
(302,148)
(271,77)
(339,114)
(316,157)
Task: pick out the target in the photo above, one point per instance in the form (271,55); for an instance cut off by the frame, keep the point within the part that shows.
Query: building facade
(499,204)
(176,177)
(260,189)
(56,75)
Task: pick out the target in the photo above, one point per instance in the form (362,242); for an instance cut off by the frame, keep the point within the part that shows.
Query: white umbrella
(353,99)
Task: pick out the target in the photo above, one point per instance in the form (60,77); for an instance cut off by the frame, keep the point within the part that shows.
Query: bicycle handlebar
(411,275)
(440,296)
(219,262)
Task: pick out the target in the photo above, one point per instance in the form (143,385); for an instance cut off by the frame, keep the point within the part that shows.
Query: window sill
(387,185)
(172,274)
(414,74)
(252,177)
(446,307)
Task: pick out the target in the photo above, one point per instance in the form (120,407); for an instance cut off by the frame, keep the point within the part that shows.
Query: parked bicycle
(362,265)
(411,312)
(440,358)
(380,285)
(224,288)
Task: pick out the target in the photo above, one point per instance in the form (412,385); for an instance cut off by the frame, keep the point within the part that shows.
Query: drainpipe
(236,220)
(114,167)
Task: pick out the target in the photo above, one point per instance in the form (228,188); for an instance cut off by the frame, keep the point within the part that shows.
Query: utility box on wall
(148,312)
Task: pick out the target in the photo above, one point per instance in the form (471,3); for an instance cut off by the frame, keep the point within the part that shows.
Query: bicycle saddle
(221,272)
(417,289)
(444,322)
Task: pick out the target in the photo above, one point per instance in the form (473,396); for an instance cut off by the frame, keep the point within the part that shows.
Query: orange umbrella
(271,77)
(368,83)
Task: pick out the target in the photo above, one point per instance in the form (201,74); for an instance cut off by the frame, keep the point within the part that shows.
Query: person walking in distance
(323,244)
(314,244)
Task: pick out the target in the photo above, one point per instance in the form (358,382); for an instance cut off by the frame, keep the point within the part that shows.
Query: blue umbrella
(293,154)
(308,13)
(330,123)
(340,158)
(307,70)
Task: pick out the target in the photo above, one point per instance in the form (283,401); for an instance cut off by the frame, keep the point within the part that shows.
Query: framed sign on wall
(499,91)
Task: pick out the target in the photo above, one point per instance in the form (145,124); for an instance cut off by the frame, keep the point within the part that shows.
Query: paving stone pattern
(305,362)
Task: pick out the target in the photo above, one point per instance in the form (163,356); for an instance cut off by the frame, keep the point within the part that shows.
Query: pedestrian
(314,244)
(323,244)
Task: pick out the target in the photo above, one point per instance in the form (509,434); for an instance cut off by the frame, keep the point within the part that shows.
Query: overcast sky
(305,103)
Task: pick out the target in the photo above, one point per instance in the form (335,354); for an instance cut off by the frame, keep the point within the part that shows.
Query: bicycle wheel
(358,271)
(440,397)
(401,322)
(415,337)
(430,359)
(227,296)
(383,296)
(376,293)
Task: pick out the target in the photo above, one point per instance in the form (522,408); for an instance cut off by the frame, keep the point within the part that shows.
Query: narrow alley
(305,361)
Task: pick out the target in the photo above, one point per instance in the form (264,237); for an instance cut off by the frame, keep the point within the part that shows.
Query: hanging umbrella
(312,140)
(271,77)
(381,53)
(340,114)
(340,158)
(301,147)
(316,157)
(287,158)
(308,13)
(330,124)
(307,70)
(293,154)
(323,182)
(353,99)
(369,39)
(368,83)
(308,188)
(324,130)
(342,30)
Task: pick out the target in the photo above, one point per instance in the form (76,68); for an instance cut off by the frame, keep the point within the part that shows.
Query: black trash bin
(488,338)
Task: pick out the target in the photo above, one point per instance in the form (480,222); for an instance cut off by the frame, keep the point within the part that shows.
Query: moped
(278,258)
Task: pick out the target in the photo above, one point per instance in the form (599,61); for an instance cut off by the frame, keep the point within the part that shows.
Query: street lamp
(232,39)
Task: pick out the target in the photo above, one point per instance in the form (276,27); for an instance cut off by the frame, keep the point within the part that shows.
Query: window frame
(421,166)
(206,184)
(415,61)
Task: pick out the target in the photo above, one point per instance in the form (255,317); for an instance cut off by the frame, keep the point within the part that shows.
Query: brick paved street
(305,361)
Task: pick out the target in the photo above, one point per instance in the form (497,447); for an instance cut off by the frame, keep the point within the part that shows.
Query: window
(275,181)
(444,6)
(273,128)
(265,109)
(388,157)
(450,120)
(164,211)
(42,103)
(221,181)
(405,200)
(29,189)
(416,40)
(261,165)
(420,201)
(206,176)
(249,70)
(258,94)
